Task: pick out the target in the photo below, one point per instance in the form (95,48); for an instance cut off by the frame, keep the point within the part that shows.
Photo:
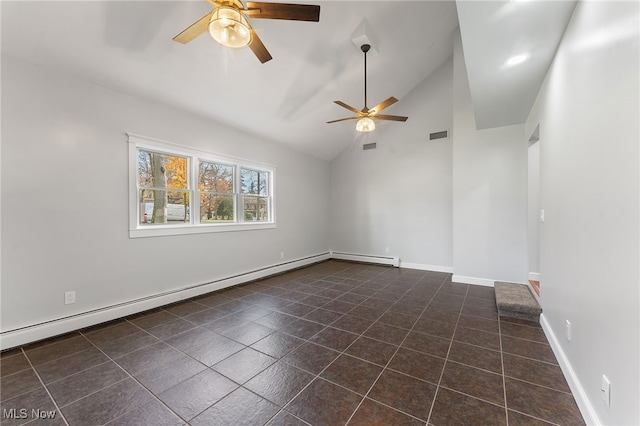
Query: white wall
(399,195)
(588,112)
(65,200)
(489,192)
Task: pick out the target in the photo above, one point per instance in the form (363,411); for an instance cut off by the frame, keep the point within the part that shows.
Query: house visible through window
(177,190)
(255,194)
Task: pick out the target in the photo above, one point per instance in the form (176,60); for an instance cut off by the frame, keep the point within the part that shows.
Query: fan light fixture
(365,124)
(229,27)
(366,115)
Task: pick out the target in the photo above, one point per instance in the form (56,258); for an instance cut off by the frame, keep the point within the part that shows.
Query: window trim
(194,157)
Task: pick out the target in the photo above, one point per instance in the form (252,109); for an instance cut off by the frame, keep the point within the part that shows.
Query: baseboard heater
(383,260)
(54,327)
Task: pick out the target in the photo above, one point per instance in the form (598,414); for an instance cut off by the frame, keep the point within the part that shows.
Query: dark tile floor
(332,344)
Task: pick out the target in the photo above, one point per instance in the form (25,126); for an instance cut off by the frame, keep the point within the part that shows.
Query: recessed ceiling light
(515,60)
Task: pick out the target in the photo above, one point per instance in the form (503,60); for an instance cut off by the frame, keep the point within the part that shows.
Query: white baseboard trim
(383,260)
(534,276)
(586,409)
(472,280)
(423,267)
(35,332)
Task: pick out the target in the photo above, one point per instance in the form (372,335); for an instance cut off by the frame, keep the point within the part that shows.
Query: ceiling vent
(439,135)
(367,146)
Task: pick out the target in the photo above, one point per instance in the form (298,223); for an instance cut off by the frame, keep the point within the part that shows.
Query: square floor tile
(153,413)
(404,393)
(108,404)
(127,344)
(205,346)
(324,403)
(453,408)
(239,408)
(372,350)
(243,365)
(322,316)
(162,376)
(18,383)
(334,338)
(71,364)
(538,372)
(277,344)
(427,343)
(528,349)
(302,329)
(42,353)
(478,338)
(352,373)
(72,388)
(543,403)
(373,413)
(476,356)
(417,364)
(386,333)
(474,382)
(197,393)
(279,383)
(311,357)
(247,333)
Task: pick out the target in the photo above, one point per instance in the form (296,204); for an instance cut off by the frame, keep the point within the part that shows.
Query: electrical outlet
(69,297)
(386,249)
(568,330)
(605,391)
(281,255)
(541,215)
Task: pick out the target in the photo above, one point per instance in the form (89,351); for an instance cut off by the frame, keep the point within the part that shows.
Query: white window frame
(194,156)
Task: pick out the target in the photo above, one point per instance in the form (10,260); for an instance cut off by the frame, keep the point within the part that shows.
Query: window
(178,190)
(255,194)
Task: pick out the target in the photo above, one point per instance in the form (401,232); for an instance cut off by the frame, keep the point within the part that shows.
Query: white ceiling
(494,31)
(127,46)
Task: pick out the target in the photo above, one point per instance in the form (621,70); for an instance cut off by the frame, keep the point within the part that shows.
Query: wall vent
(439,135)
(367,146)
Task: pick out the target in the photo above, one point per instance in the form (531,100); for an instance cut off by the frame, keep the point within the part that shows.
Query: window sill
(166,230)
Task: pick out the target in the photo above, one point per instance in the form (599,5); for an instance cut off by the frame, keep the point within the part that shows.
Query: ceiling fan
(365,116)
(228,24)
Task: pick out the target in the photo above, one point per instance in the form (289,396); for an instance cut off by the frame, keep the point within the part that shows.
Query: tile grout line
(343,352)
(55,404)
(114,360)
(398,348)
(317,376)
(504,380)
(455,329)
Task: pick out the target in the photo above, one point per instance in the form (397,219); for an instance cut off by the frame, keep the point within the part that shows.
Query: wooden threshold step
(516,301)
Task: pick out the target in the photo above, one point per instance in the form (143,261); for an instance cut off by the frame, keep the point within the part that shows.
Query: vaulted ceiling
(127,46)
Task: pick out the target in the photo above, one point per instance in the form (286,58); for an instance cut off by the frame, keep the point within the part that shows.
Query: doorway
(534,212)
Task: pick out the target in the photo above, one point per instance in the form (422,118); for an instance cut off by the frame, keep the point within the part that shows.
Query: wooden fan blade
(194,30)
(384,104)
(258,48)
(389,117)
(290,12)
(343,119)
(349,107)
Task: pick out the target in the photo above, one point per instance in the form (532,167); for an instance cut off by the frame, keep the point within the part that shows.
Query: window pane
(157,170)
(254,182)
(162,207)
(216,208)
(215,177)
(256,209)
